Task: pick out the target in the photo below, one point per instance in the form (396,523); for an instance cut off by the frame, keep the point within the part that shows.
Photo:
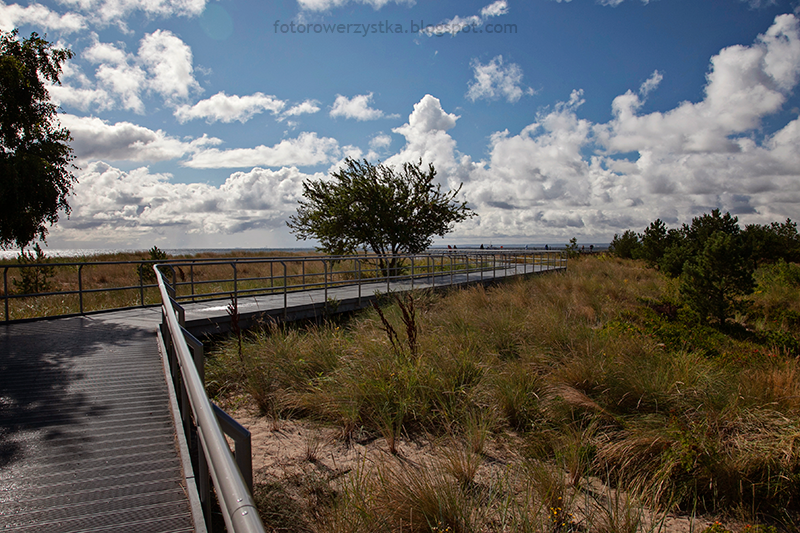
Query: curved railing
(233,494)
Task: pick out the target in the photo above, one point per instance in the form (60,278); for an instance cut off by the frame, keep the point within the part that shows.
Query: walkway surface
(87,440)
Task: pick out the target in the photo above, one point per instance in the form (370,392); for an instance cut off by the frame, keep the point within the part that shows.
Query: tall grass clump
(597,375)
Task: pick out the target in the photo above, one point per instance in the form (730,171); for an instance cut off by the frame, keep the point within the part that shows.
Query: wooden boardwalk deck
(87,436)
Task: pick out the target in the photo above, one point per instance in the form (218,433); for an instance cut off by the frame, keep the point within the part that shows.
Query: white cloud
(380,141)
(307,107)
(325,5)
(500,7)
(651,83)
(356,107)
(427,139)
(110,205)
(691,159)
(14,15)
(745,84)
(224,108)
(168,61)
(459,24)
(306,150)
(495,80)
(94,139)
(115,11)
(163,66)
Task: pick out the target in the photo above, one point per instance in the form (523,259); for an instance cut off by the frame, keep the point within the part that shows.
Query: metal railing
(203,279)
(203,423)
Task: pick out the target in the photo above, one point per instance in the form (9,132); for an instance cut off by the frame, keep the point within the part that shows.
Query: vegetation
(713,257)
(366,206)
(586,401)
(113,281)
(35,177)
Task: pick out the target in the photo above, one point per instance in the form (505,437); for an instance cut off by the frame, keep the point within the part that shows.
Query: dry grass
(596,372)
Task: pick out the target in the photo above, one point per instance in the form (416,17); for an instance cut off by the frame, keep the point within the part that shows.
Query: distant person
(481,246)
(591,248)
(546,247)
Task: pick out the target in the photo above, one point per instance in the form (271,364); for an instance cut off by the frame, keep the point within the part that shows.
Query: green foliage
(572,248)
(377,207)
(147,273)
(654,242)
(715,278)
(690,240)
(774,242)
(625,246)
(34,279)
(35,177)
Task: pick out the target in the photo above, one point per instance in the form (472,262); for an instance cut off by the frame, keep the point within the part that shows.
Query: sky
(195,122)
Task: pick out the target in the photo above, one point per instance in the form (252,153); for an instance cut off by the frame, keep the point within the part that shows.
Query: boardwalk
(87,438)
(87,441)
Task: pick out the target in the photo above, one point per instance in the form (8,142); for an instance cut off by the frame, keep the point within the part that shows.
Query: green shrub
(34,279)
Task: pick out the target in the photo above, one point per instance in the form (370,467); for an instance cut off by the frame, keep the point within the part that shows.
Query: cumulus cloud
(380,141)
(116,11)
(93,138)
(163,66)
(309,106)
(129,205)
(356,107)
(14,15)
(458,24)
(326,5)
(168,61)
(427,139)
(224,108)
(693,158)
(495,80)
(306,150)
(745,84)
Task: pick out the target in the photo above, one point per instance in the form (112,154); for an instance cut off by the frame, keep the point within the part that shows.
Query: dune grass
(598,373)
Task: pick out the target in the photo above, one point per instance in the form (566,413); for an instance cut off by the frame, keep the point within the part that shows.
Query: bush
(147,273)
(714,279)
(625,246)
(34,279)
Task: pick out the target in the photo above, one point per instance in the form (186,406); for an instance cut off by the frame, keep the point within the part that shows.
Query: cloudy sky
(194,122)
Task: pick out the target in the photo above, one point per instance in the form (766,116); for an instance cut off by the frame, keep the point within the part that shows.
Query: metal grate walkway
(87,441)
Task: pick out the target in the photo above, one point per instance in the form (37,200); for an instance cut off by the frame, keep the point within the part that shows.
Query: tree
(655,241)
(715,277)
(35,177)
(388,211)
(690,240)
(778,241)
(626,246)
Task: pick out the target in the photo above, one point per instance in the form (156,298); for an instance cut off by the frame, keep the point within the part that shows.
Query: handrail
(235,501)
(201,278)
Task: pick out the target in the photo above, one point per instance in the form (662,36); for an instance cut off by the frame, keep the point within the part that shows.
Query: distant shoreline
(92,252)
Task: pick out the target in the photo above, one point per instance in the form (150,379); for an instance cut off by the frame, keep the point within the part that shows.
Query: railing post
(80,287)
(235,281)
(412,271)
(358,260)
(5,290)
(325,281)
(285,296)
(141,286)
(191,278)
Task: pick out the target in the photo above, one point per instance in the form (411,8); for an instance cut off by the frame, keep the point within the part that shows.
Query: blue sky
(195,122)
